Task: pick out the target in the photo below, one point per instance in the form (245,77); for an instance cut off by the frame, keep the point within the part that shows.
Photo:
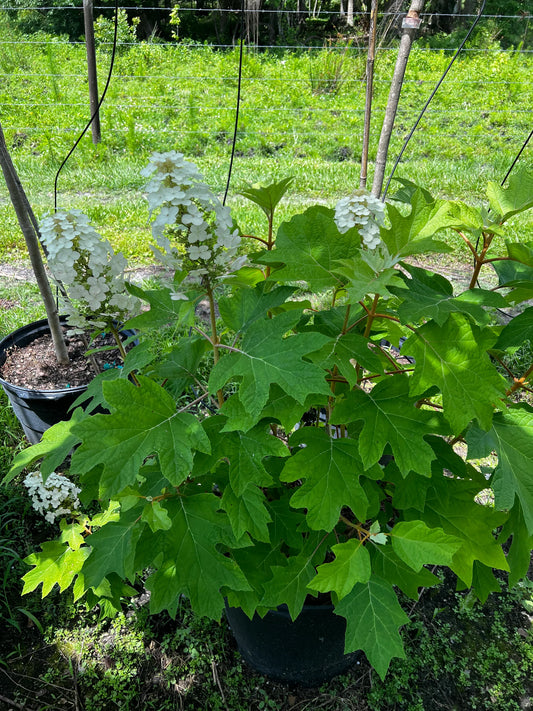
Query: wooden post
(29,230)
(369,91)
(410,25)
(91,69)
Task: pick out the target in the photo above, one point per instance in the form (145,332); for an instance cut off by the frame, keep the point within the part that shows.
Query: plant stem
(480,260)
(371,315)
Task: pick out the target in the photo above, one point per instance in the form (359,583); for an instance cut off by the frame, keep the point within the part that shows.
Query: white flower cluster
(92,274)
(364,211)
(56,497)
(193,230)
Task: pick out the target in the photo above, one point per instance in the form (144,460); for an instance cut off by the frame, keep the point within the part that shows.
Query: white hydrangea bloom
(86,265)
(54,498)
(364,211)
(192,229)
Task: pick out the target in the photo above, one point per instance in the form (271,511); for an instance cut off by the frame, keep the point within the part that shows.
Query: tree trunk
(411,24)
(27,224)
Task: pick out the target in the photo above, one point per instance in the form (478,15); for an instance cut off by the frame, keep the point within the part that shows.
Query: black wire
(82,134)
(517,157)
(478,17)
(237,107)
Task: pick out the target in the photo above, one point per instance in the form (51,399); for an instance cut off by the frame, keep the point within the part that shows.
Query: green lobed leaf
(387,565)
(511,436)
(193,565)
(149,425)
(362,278)
(417,544)
(248,305)
(519,555)
(450,505)
(247,512)
(413,233)
(390,416)
(180,366)
(267,197)
(515,198)
(54,447)
(56,563)
(163,310)
(266,357)
(427,295)
(308,247)
(351,566)
(518,330)
(156,516)
(454,358)
(345,352)
(113,549)
(373,617)
(330,470)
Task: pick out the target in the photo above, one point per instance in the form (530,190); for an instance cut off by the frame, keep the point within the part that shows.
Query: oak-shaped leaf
(512,199)
(267,356)
(454,358)
(113,548)
(390,416)
(149,425)
(427,295)
(330,470)
(387,565)
(450,505)
(511,436)
(56,563)
(56,444)
(308,247)
(248,305)
(373,618)
(417,544)
(247,511)
(344,352)
(412,233)
(289,582)
(193,563)
(351,566)
(519,555)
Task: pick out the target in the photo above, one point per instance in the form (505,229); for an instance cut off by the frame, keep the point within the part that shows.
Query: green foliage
(353,485)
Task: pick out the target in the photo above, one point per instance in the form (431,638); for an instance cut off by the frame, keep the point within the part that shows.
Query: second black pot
(308,651)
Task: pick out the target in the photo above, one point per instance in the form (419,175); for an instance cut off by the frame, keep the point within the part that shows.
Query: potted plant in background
(43,384)
(286,453)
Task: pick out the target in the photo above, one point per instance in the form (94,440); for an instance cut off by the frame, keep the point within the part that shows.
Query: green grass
(183,98)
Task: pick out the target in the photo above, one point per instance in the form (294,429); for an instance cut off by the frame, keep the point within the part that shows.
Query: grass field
(292,122)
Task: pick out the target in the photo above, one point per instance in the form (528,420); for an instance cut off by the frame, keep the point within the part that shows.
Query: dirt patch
(35,366)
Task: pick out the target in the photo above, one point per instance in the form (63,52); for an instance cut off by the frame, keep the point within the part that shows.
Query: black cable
(480,13)
(517,157)
(82,134)
(234,142)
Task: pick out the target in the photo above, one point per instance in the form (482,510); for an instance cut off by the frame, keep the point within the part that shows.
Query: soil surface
(35,366)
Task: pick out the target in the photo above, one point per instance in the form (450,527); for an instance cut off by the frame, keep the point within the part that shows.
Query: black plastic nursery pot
(36,410)
(307,652)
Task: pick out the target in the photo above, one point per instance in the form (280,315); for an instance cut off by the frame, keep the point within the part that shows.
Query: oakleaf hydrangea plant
(286,446)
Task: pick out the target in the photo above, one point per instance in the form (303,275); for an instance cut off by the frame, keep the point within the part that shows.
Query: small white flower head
(194,232)
(56,497)
(363,211)
(86,265)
